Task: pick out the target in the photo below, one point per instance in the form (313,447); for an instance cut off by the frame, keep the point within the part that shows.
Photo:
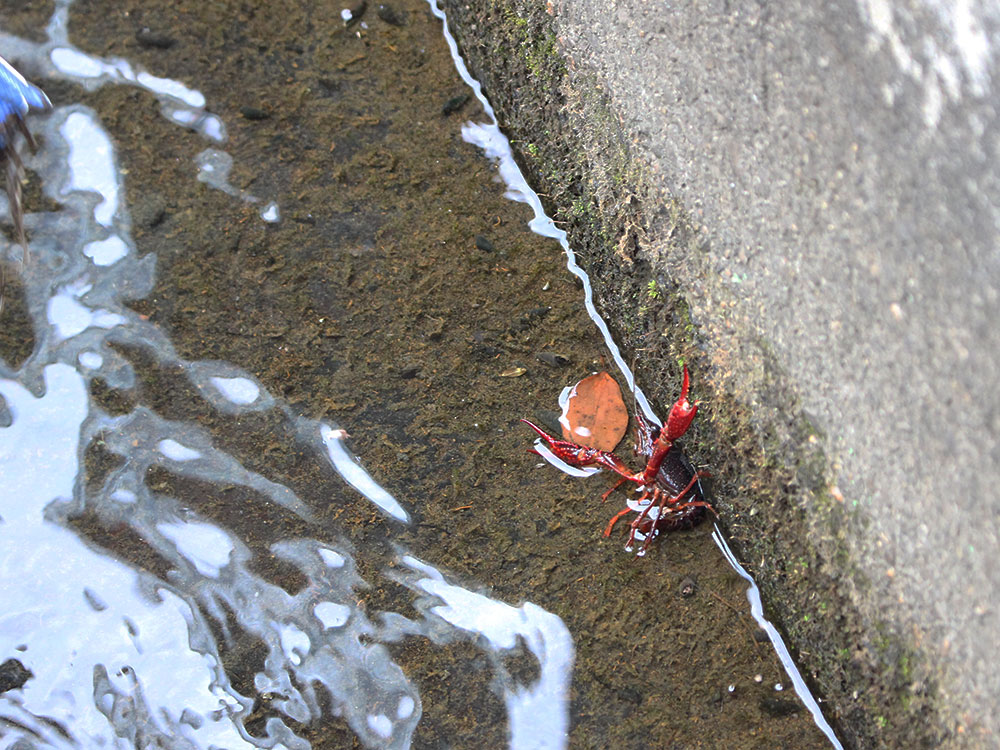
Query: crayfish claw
(542,433)
(582,456)
(682,413)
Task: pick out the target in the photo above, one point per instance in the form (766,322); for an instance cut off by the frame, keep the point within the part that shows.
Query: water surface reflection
(117,652)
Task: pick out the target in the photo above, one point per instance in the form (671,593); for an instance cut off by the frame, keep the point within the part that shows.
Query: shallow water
(263,478)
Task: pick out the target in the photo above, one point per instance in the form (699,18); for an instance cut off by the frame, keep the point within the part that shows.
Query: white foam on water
(241,391)
(183,117)
(331,614)
(405,708)
(177,452)
(106,252)
(90,360)
(271,214)
(179,103)
(331,558)
(74,63)
(169,87)
(91,164)
(348,466)
(213,169)
(69,317)
(538,713)
(380,724)
(294,642)
(206,547)
(213,128)
(51,581)
(124,496)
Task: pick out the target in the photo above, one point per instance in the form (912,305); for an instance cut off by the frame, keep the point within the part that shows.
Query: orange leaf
(595,413)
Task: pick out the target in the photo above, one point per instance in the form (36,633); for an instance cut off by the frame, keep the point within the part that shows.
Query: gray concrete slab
(839,163)
(842,160)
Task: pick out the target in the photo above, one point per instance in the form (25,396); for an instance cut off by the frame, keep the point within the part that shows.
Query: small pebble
(454,104)
(153,39)
(390,15)
(254,113)
(483,243)
(688,587)
(552,359)
(353,12)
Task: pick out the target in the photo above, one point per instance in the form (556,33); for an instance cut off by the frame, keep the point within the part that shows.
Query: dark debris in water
(13,675)
(255,114)
(390,15)
(454,104)
(553,359)
(150,39)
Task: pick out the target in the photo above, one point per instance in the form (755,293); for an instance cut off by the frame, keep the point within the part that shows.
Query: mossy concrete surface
(802,206)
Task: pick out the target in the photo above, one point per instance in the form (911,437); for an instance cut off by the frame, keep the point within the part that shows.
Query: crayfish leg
(619,483)
(675,501)
(613,521)
(694,504)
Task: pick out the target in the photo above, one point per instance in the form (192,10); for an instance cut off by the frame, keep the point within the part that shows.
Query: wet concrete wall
(803,203)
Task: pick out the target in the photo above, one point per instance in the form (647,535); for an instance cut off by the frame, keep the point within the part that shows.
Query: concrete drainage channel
(800,205)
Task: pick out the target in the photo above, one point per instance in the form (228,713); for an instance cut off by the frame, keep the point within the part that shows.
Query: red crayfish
(671,497)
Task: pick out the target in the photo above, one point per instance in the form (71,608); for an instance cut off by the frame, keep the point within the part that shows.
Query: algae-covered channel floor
(199,569)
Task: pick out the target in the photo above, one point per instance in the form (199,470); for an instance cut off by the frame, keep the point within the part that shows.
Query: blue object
(17,97)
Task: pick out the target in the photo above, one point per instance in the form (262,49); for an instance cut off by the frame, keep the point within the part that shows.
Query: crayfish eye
(654,433)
